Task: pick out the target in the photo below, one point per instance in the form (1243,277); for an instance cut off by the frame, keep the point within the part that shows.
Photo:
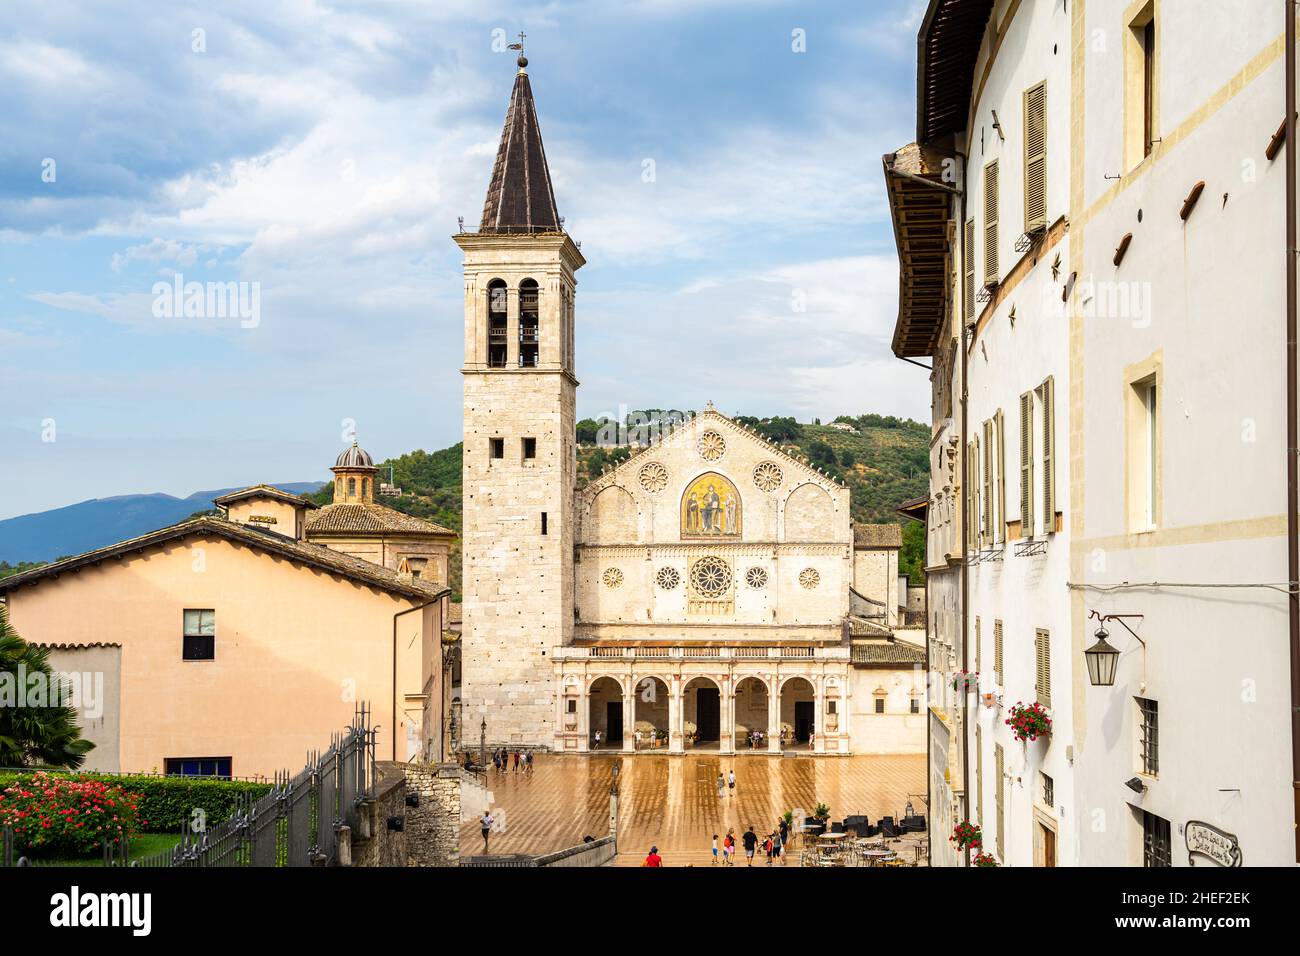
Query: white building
(1091,229)
(709,592)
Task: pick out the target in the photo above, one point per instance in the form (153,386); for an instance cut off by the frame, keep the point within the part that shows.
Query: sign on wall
(1218,846)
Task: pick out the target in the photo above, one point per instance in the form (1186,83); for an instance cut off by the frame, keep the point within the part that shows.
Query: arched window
(352,487)
(496,307)
(528,323)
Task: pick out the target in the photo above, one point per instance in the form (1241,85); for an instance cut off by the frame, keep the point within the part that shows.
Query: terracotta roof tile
(358,518)
(877,536)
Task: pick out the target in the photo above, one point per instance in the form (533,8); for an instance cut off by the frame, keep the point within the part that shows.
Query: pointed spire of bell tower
(519,197)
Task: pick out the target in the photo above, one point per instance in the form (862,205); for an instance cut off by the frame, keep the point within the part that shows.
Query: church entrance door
(708,721)
(614,721)
(803,720)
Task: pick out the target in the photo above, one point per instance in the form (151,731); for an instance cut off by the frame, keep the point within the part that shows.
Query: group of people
(522,760)
(727,784)
(773,845)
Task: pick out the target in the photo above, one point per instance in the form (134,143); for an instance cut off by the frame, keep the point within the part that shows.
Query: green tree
(911,559)
(38,732)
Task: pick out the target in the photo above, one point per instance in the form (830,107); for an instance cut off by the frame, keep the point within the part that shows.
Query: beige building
(230,647)
(708,592)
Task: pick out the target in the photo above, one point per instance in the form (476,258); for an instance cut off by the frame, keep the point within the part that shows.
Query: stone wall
(376,844)
(433,828)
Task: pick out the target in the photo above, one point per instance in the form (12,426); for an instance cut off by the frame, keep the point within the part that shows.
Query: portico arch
(798,713)
(753,713)
(652,712)
(605,711)
(701,713)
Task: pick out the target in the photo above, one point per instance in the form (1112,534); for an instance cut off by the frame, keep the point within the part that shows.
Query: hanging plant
(984,859)
(1029,721)
(967,836)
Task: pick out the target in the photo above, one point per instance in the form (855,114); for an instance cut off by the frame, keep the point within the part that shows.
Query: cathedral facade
(711,592)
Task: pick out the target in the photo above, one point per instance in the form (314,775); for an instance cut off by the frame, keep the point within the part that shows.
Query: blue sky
(324,151)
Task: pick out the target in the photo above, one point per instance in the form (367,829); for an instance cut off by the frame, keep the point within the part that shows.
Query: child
(728,849)
(714,861)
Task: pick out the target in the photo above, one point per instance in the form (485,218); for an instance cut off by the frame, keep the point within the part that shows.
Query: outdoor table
(833,836)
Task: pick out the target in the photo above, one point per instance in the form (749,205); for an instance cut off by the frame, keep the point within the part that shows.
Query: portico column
(629,715)
(727,717)
(819,715)
(773,717)
(584,717)
(676,716)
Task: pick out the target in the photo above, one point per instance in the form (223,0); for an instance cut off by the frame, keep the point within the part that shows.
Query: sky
(719,161)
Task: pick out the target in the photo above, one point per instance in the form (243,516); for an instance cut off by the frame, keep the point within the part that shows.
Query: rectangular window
(197,766)
(968,268)
(979,775)
(1047,404)
(1143,458)
(830,707)
(1148,85)
(999,764)
(1036,158)
(991,272)
(1141,86)
(572,705)
(880,705)
(529,449)
(978,669)
(1150,445)
(914,705)
(498,447)
(997,652)
(1157,850)
(1043,667)
(1000,491)
(1149,735)
(986,518)
(543,522)
(1049,790)
(199,642)
(1027,465)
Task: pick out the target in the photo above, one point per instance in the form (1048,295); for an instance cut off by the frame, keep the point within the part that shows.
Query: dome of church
(354,457)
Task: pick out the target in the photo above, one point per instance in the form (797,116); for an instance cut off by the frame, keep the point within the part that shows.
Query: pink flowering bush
(66,815)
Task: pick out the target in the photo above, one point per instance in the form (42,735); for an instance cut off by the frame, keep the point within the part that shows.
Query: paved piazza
(672,802)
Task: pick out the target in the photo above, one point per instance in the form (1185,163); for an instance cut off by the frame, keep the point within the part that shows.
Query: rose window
(654,477)
(612,577)
(668,578)
(710,577)
(756,578)
(711,445)
(767,476)
(809,578)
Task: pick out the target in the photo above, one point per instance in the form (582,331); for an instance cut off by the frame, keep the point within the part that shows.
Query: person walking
(598,740)
(768,843)
(516,761)
(714,861)
(731,782)
(778,844)
(653,858)
(783,829)
(486,823)
(722,785)
(750,839)
(530,763)
(729,848)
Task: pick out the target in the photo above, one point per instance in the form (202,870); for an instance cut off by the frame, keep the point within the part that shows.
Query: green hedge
(168,803)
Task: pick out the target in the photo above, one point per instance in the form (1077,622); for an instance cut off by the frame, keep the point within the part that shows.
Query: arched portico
(753,714)
(651,708)
(605,712)
(701,714)
(798,714)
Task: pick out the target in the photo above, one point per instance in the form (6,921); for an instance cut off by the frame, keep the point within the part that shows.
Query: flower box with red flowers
(965,681)
(1029,721)
(984,859)
(967,836)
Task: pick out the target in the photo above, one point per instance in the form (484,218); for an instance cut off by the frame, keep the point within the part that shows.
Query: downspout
(418,607)
(965,511)
(1292,426)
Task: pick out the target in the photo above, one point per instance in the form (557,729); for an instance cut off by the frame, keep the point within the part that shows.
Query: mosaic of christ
(710,508)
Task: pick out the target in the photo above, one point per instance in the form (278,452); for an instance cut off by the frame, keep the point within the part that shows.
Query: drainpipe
(965,512)
(418,607)
(1292,426)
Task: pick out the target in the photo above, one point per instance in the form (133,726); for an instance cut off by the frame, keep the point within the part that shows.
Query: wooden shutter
(969,496)
(1036,158)
(979,776)
(1049,455)
(990,533)
(977,524)
(1043,667)
(1000,495)
(977,646)
(997,652)
(991,272)
(998,764)
(968,267)
(1027,465)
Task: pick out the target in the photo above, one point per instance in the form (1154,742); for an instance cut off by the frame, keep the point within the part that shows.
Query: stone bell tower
(519,456)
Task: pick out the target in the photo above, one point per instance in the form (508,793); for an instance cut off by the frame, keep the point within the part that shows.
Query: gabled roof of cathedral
(709,414)
(263,491)
(519,196)
(362,518)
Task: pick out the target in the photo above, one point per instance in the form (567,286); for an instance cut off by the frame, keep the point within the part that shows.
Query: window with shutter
(991,272)
(1036,158)
(1000,495)
(1048,401)
(977,523)
(1043,668)
(1027,465)
(979,776)
(977,645)
(968,267)
(997,652)
(998,764)
(990,532)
